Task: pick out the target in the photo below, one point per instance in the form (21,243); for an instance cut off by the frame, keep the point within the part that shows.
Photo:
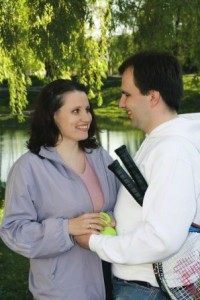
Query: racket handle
(133,170)
(126,180)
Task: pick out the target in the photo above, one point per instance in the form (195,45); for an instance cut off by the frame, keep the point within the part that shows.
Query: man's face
(136,104)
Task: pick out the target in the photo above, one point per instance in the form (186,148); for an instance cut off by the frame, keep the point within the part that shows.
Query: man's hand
(83,240)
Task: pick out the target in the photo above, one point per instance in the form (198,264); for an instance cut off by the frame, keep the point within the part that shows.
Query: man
(169,159)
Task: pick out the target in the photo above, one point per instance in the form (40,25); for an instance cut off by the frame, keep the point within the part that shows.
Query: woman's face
(73,119)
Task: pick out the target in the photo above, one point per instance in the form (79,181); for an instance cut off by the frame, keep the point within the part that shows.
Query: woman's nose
(86,116)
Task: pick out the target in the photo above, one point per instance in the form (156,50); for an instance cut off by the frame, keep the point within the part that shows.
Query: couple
(56,190)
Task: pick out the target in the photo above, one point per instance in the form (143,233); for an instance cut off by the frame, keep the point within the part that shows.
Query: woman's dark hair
(159,71)
(43,130)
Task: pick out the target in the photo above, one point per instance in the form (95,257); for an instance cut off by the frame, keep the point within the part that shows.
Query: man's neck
(160,119)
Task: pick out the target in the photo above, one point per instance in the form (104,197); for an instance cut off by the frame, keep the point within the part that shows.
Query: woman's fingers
(86,223)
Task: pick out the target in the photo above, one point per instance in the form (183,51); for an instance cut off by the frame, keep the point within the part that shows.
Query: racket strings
(179,275)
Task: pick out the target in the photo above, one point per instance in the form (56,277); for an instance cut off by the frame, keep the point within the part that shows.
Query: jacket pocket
(53,268)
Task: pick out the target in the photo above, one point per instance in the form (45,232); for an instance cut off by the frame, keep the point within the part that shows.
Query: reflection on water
(111,140)
(13,145)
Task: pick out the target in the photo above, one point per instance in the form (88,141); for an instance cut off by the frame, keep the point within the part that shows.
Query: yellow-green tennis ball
(108,218)
(108,230)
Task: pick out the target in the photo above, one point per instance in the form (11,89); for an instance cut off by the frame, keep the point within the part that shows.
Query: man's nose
(122,101)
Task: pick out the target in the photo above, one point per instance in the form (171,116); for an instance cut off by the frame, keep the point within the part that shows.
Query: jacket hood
(185,125)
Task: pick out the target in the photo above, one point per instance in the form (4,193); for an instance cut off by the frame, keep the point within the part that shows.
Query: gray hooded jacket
(41,195)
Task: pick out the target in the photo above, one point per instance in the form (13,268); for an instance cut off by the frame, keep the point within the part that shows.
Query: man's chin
(133,123)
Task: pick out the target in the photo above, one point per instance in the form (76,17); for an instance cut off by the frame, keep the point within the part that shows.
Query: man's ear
(155,97)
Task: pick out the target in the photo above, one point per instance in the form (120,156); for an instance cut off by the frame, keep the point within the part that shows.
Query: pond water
(13,139)
(13,144)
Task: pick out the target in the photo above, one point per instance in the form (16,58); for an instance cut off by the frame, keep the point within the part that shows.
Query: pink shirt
(91,181)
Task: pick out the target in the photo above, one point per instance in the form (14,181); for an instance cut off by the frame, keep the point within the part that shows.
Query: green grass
(13,267)
(13,272)
(14,275)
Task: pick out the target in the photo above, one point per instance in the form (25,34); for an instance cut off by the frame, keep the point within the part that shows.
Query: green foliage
(92,53)
(191,99)
(1,208)
(13,31)
(53,38)
(162,25)
(56,27)
(121,47)
(89,39)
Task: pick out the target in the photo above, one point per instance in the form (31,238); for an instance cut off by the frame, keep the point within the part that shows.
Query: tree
(163,25)
(89,38)
(56,34)
(92,48)
(13,51)
(120,47)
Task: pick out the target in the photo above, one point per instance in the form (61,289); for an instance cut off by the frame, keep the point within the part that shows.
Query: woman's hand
(86,224)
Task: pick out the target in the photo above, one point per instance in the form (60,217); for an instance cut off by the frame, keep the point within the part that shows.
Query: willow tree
(161,24)
(14,27)
(56,35)
(92,48)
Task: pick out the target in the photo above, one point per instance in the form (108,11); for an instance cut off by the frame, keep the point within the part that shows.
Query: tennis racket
(179,275)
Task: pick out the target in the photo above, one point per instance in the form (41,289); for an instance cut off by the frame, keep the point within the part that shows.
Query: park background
(41,40)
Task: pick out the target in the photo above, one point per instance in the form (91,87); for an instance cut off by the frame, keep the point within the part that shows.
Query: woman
(55,192)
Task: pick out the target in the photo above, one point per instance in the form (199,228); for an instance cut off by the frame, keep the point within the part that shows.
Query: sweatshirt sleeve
(20,229)
(168,211)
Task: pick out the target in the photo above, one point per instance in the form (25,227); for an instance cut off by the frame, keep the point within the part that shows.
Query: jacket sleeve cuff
(93,241)
(69,239)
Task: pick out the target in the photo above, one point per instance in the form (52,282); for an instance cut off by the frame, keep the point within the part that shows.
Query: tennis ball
(108,218)
(108,230)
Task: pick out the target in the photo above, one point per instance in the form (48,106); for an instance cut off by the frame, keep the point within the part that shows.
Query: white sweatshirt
(169,159)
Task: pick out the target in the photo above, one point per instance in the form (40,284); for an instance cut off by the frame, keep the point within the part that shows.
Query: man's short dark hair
(159,71)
